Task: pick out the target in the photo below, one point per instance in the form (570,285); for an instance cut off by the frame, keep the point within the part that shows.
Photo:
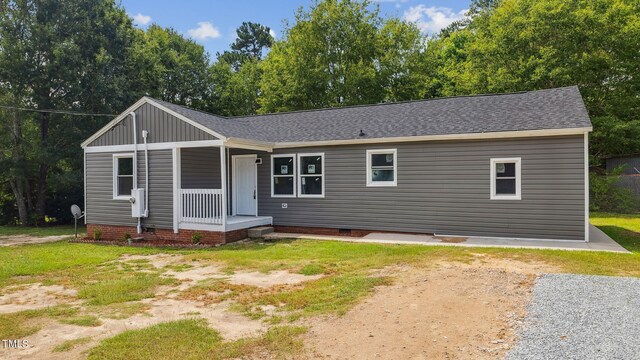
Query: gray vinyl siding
(103,209)
(443,187)
(162,127)
(200,168)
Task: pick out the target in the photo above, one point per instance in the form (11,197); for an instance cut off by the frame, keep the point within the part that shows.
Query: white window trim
(518,194)
(294,175)
(300,175)
(115,175)
(370,182)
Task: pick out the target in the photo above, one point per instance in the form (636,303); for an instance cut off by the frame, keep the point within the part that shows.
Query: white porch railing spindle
(201,206)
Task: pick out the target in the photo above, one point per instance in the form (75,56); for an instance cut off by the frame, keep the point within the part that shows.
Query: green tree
(172,68)
(517,45)
(251,43)
(405,71)
(236,74)
(236,93)
(65,55)
(327,59)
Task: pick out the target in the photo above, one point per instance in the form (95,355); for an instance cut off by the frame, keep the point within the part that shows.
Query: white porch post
(223,181)
(177,198)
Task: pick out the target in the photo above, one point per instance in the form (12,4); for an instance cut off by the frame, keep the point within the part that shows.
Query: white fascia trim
(154,146)
(249,144)
(586,186)
(518,194)
(295,174)
(371,183)
(473,136)
(136,105)
(300,175)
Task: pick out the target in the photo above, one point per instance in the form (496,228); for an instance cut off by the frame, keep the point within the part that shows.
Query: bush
(607,195)
(97,234)
(196,238)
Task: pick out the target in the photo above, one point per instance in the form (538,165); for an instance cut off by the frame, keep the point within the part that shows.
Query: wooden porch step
(260,231)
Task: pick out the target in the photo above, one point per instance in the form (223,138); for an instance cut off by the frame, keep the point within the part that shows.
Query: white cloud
(432,19)
(398,3)
(272,33)
(141,20)
(204,31)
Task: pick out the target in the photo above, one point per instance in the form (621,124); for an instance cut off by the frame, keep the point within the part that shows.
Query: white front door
(245,185)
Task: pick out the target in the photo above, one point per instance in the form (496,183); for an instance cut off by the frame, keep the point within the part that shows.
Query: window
(122,176)
(311,175)
(505,179)
(283,175)
(382,167)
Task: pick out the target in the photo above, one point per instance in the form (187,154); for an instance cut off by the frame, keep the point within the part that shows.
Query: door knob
(254,194)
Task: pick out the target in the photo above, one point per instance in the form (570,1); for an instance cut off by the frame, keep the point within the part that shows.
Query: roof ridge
(241,117)
(190,108)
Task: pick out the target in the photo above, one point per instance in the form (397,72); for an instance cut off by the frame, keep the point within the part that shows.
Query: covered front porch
(216,189)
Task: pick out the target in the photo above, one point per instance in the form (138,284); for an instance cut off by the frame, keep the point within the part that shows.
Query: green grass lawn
(623,228)
(114,289)
(41,231)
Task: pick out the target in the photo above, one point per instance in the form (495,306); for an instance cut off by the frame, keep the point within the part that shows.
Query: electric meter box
(137,203)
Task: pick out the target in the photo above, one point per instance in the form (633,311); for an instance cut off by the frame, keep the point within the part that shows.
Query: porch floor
(236,222)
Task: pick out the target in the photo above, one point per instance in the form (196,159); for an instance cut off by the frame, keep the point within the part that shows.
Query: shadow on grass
(628,239)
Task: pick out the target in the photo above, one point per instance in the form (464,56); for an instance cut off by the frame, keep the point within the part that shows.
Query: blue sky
(212,23)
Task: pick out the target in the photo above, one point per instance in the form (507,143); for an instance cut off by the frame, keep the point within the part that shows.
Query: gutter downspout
(135,162)
(145,133)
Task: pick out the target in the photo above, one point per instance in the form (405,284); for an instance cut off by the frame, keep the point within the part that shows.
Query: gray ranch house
(508,165)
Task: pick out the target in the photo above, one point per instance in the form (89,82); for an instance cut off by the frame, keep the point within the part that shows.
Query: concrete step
(260,231)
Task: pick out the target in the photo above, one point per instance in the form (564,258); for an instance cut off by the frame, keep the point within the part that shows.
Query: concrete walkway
(599,241)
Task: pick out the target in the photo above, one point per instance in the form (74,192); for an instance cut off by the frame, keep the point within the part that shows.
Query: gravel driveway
(581,317)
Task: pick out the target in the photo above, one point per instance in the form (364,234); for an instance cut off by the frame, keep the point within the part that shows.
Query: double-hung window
(283,175)
(505,179)
(122,176)
(311,175)
(382,167)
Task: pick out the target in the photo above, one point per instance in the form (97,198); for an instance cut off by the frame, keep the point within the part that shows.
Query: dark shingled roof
(559,108)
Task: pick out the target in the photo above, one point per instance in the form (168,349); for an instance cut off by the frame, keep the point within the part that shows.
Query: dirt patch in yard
(34,296)
(452,311)
(167,305)
(231,325)
(270,279)
(29,239)
(451,240)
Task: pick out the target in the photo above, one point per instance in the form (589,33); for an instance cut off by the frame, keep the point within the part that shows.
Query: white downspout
(135,161)
(145,133)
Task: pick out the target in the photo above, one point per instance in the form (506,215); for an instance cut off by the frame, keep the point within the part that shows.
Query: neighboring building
(511,165)
(630,164)
(630,177)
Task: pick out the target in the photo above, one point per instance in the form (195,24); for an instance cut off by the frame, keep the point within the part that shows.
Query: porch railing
(201,206)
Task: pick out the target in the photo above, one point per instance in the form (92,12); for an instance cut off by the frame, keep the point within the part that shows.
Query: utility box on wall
(137,203)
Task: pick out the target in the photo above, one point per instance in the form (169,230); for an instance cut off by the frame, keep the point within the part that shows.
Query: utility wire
(51,111)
